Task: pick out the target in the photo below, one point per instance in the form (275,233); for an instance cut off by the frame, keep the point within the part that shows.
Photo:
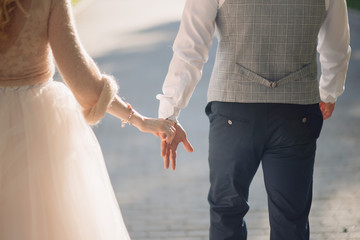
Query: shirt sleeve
(93,90)
(191,51)
(334,49)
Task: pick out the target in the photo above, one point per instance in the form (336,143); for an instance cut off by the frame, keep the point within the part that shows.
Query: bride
(53,181)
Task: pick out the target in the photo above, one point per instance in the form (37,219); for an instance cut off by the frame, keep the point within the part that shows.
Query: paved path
(132,40)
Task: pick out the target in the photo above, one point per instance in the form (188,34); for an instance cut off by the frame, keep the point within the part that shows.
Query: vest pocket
(308,71)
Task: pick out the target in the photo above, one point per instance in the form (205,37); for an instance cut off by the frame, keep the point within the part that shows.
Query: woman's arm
(77,68)
(95,92)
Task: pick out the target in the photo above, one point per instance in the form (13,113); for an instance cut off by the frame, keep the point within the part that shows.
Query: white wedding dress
(53,180)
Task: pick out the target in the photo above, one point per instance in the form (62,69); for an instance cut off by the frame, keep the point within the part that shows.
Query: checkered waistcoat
(267,51)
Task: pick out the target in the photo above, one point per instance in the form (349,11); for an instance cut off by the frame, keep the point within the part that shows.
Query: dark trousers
(280,136)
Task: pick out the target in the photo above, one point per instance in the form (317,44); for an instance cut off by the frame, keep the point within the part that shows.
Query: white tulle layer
(53,180)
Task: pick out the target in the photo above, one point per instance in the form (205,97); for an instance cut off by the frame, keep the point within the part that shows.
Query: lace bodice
(49,30)
(28,59)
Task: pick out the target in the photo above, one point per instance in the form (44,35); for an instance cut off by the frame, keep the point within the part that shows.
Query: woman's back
(25,56)
(53,179)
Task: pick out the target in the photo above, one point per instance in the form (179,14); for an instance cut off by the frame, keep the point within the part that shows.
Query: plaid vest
(267,51)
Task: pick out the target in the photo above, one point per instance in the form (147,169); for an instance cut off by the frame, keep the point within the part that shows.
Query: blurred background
(353,4)
(132,40)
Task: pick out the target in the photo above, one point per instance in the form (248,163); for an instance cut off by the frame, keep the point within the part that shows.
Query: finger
(163,146)
(187,145)
(322,108)
(166,158)
(323,112)
(326,115)
(173,159)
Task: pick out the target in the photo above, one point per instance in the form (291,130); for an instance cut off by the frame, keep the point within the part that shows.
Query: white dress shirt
(194,39)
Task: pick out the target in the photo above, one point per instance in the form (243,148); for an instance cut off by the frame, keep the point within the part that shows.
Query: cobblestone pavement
(134,44)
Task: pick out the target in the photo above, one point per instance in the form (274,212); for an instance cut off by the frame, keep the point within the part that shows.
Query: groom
(265,103)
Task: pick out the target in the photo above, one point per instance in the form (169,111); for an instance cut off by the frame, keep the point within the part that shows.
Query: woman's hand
(162,128)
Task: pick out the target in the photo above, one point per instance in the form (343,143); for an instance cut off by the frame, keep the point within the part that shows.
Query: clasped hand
(168,149)
(164,129)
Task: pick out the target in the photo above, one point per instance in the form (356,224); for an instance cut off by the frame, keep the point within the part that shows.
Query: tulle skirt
(53,180)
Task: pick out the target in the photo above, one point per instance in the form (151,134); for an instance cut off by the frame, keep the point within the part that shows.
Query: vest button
(304,120)
(230,122)
(273,84)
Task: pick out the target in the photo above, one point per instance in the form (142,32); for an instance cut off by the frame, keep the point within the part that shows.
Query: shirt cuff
(167,110)
(327,97)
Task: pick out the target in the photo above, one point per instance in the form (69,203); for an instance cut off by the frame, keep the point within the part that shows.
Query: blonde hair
(6,8)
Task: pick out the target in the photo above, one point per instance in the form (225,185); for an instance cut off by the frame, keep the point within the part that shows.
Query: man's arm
(334,49)
(191,51)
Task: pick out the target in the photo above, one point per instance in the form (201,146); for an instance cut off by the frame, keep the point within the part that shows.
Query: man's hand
(168,151)
(326,109)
